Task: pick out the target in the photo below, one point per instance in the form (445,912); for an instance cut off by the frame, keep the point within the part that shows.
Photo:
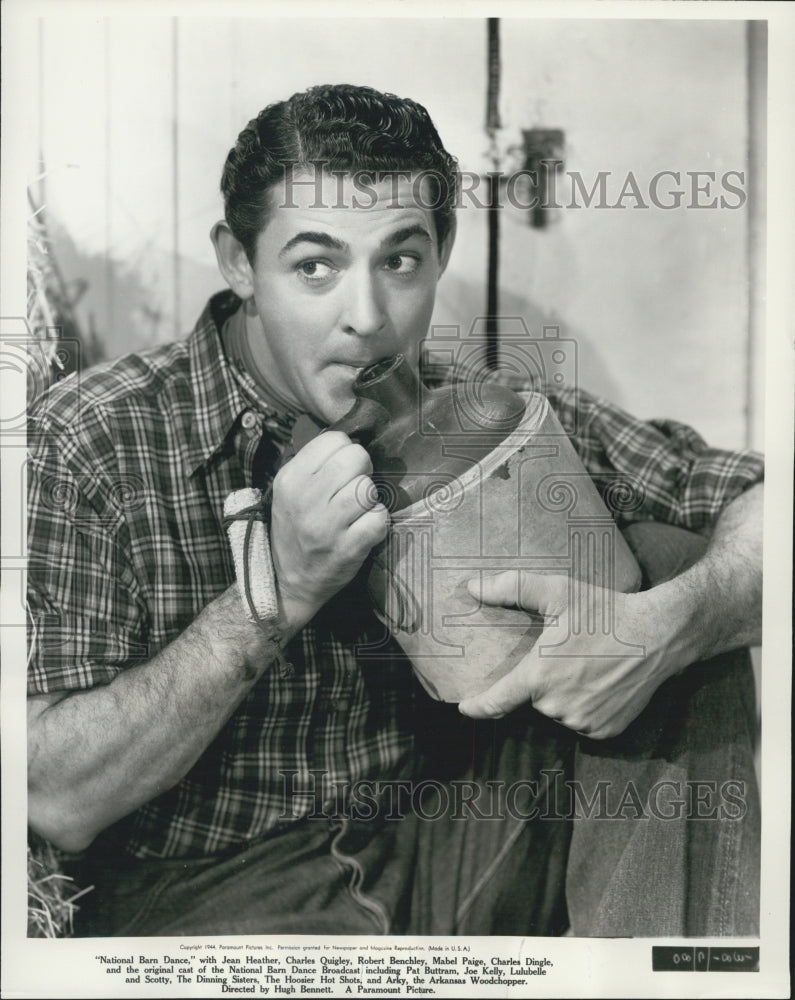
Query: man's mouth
(356,366)
(351,365)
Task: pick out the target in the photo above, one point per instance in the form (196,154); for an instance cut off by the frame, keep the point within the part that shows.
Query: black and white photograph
(397,437)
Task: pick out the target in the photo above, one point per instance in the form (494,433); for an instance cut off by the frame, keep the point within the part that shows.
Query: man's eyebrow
(332,243)
(401,235)
(320,239)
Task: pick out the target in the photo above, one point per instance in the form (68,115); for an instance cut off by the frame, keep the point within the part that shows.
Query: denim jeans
(661,838)
(437,870)
(692,870)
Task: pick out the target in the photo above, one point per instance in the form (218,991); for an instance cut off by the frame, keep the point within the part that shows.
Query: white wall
(138,111)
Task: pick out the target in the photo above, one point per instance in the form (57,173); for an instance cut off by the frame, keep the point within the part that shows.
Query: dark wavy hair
(346,128)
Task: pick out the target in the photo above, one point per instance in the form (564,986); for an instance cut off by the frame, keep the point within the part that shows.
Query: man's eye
(402,263)
(315,271)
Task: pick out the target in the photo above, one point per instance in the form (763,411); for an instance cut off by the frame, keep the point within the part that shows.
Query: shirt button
(341,705)
(249,420)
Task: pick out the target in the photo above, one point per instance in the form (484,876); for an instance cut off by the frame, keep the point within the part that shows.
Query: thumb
(520,589)
(517,687)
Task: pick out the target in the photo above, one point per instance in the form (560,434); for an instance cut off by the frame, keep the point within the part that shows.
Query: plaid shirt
(130,464)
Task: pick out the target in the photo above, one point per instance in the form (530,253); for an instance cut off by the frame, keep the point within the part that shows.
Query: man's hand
(325,520)
(714,606)
(580,683)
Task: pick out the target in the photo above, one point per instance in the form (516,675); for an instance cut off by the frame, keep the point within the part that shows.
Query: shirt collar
(219,398)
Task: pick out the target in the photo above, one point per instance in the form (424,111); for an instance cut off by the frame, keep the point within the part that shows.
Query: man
(190,758)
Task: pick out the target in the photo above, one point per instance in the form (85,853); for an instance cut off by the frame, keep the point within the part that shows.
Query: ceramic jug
(478,479)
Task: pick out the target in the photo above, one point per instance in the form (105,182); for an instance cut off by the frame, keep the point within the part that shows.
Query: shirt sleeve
(86,618)
(661,470)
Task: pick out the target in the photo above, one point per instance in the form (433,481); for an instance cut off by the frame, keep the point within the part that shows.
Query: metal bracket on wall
(543,160)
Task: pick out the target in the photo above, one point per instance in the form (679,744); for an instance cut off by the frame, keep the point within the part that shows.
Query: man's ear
(447,246)
(232,261)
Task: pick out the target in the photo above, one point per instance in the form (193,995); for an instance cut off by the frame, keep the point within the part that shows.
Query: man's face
(339,287)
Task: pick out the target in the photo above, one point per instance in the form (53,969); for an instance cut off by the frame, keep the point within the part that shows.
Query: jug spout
(386,392)
(420,437)
(392,382)
(364,421)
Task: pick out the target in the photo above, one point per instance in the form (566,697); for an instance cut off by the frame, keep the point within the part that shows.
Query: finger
(369,529)
(354,499)
(520,589)
(502,588)
(553,708)
(509,692)
(342,467)
(315,453)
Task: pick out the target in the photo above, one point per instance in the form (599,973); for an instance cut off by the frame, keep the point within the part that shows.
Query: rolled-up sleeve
(669,470)
(86,620)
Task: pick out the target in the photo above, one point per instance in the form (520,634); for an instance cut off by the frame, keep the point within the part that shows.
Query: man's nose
(363,309)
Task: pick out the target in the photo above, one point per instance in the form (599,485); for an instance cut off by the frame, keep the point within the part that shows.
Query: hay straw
(51,896)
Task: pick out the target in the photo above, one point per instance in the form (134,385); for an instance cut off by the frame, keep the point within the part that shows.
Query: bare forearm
(718,601)
(95,756)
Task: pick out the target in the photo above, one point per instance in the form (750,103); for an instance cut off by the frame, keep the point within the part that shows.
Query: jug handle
(363,422)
